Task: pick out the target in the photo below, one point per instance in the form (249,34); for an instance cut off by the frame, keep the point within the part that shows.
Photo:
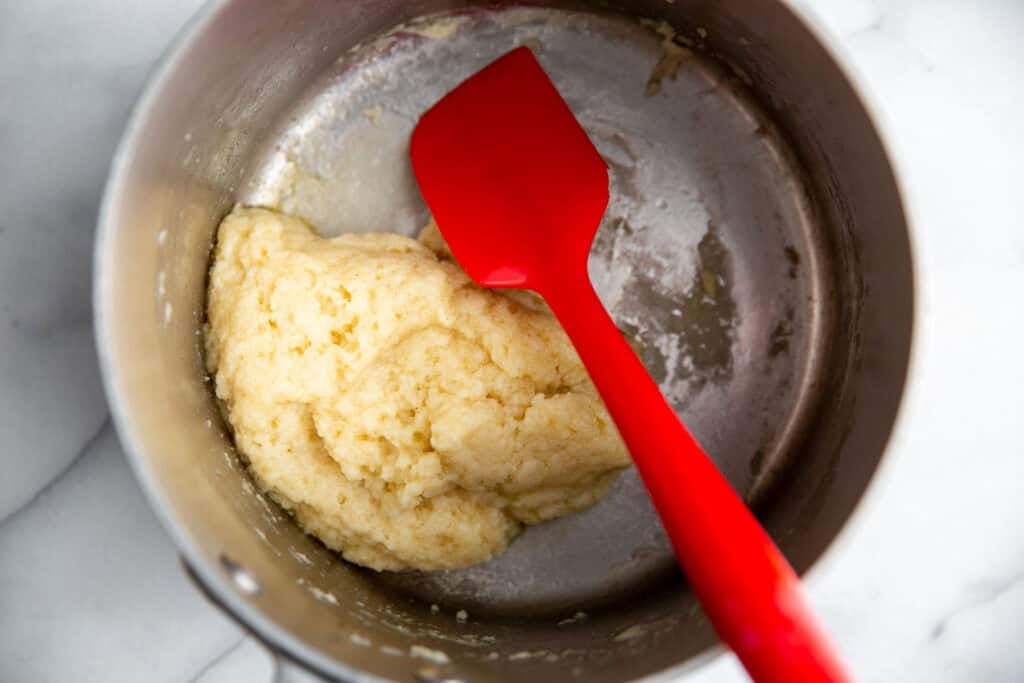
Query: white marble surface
(927,585)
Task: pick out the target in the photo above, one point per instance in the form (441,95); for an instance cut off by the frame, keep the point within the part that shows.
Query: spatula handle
(748,590)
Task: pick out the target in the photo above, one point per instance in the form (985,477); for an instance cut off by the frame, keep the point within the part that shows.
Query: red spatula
(518,191)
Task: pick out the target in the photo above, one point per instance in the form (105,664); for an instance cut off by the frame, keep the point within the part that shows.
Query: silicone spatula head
(513,181)
(518,191)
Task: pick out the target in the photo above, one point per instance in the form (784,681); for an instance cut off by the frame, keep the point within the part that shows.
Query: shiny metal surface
(765,212)
(710,256)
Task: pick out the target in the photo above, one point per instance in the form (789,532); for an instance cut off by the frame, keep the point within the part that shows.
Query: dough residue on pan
(405,416)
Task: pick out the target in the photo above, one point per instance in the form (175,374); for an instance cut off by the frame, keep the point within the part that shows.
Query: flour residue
(435,656)
(672,299)
(577,618)
(633,632)
(321,595)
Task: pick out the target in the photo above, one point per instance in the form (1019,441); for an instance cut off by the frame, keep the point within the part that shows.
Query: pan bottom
(710,257)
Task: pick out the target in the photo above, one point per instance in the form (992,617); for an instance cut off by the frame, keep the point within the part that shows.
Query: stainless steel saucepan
(756,251)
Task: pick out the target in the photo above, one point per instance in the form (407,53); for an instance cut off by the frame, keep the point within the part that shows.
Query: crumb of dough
(436,28)
(374,113)
(403,415)
(673,54)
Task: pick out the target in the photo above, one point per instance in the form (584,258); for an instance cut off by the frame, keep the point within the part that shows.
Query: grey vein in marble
(91,588)
(56,479)
(214,664)
(246,661)
(983,597)
(70,72)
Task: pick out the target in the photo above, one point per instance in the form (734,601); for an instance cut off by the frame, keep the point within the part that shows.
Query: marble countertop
(927,584)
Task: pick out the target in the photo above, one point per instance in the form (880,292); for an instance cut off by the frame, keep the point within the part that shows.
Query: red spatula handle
(747,588)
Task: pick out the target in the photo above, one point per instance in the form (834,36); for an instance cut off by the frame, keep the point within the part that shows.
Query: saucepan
(756,252)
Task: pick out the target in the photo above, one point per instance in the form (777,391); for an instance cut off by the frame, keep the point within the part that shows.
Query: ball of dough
(405,416)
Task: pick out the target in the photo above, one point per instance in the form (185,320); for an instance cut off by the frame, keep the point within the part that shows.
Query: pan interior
(709,257)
